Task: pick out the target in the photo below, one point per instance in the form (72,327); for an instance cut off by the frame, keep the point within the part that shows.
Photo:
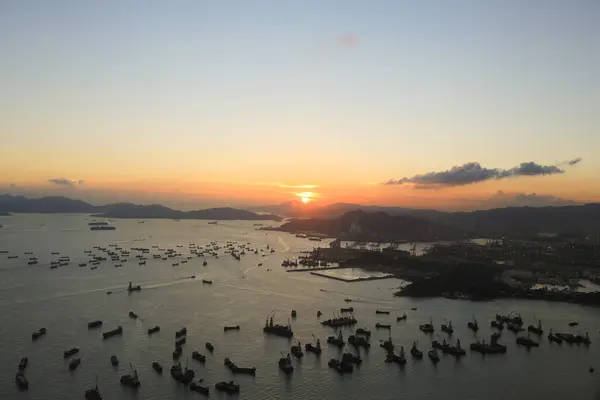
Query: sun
(305,197)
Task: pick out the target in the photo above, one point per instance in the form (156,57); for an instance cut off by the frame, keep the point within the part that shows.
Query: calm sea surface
(64,300)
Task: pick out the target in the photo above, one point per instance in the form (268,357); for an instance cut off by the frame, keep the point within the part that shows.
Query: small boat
(181,332)
(94,324)
(527,342)
(296,350)
(36,335)
(114,332)
(207,281)
(448,328)
(180,342)
(415,352)
(195,387)
(573,323)
(131,380)
(157,367)
(204,264)
(309,347)
(293,313)
(536,329)
(239,370)
(497,324)
(383,326)
(427,328)
(131,288)
(209,347)
(23,363)
(184,376)
(285,364)
(82,265)
(153,330)
(340,366)
(433,356)
(70,352)
(227,387)
(553,338)
(363,331)
(382,312)
(337,341)
(32,262)
(403,317)
(231,328)
(319,313)
(133,315)
(201,358)
(21,381)
(74,363)
(345,310)
(177,352)
(109,292)
(114,361)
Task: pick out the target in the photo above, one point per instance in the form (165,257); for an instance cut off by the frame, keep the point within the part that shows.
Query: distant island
(59,204)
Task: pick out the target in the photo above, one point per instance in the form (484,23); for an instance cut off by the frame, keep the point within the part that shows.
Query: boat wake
(286,248)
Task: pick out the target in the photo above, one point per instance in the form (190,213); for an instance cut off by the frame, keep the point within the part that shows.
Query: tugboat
(227,387)
(196,387)
(114,361)
(285,364)
(415,352)
(278,330)
(553,338)
(231,328)
(36,335)
(130,380)
(201,358)
(74,363)
(473,325)
(70,352)
(536,329)
(433,356)
(23,363)
(153,330)
(309,347)
(427,328)
(448,328)
(114,332)
(383,326)
(337,341)
(527,342)
(21,381)
(403,317)
(94,324)
(157,367)
(297,350)
(209,347)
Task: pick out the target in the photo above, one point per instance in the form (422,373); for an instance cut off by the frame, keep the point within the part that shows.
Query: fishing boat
(93,393)
(514,328)
(206,281)
(415,352)
(497,324)
(293,313)
(70,352)
(227,387)
(382,312)
(184,376)
(205,263)
(114,332)
(177,352)
(363,331)
(427,328)
(153,330)
(351,358)
(278,330)
(231,328)
(296,350)
(392,357)
(74,363)
(337,341)
(131,288)
(536,329)
(554,338)
(473,325)
(383,326)
(180,342)
(132,315)
(448,328)
(527,342)
(347,310)
(239,370)
(285,364)
(36,335)
(130,380)
(340,367)
(23,363)
(359,341)
(403,317)
(573,323)
(201,358)
(157,367)
(114,360)
(196,387)
(209,347)
(316,349)
(433,356)
(94,324)
(181,332)
(21,381)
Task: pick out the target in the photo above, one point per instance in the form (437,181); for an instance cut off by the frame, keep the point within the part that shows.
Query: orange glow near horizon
(306,197)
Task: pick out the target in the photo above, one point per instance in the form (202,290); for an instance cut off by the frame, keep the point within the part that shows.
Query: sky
(430,104)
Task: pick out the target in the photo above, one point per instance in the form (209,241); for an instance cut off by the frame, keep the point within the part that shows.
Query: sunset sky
(202,103)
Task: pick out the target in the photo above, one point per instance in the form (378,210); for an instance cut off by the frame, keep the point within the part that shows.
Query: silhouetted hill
(360,225)
(21,204)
